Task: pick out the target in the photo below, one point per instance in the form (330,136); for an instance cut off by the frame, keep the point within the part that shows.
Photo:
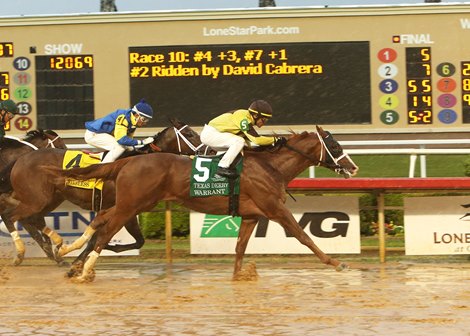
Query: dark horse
(11,149)
(263,182)
(38,194)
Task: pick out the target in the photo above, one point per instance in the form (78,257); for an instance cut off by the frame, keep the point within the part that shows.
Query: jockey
(115,132)
(229,130)
(8,109)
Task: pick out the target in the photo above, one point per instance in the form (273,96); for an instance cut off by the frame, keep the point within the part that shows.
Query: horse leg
(7,203)
(246,228)
(19,244)
(100,220)
(52,235)
(42,240)
(134,230)
(132,227)
(48,236)
(285,218)
(104,235)
(77,264)
(29,209)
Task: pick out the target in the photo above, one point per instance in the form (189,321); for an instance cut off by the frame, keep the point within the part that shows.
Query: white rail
(422,142)
(412,152)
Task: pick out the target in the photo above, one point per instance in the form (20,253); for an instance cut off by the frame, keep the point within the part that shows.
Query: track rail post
(381,223)
(168,233)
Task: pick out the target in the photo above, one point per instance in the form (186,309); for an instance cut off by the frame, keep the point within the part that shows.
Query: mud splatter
(189,299)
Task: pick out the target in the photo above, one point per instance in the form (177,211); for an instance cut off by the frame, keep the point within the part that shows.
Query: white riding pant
(107,142)
(221,141)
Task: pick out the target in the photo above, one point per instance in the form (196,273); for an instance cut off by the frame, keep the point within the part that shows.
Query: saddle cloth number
(73,159)
(203,168)
(203,183)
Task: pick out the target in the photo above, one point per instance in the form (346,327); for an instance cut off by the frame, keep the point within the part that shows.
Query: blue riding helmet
(143,109)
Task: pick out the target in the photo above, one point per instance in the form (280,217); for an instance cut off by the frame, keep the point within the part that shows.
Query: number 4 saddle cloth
(75,158)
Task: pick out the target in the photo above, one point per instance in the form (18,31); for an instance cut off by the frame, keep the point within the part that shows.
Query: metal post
(422,161)
(413,158)
(381,223)
(168,232)
(311,171)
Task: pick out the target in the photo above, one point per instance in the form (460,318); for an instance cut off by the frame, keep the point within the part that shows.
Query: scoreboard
(387,69)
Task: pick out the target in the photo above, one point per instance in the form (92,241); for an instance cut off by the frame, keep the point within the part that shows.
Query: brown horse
(11,148)
(141,182)
(41,195)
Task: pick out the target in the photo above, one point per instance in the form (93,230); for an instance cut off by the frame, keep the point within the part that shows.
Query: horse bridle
(181,136)
(337,167)
(50,143)
(324,149)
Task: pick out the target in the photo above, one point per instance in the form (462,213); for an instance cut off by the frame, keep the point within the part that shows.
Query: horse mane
(160,134)
(270,148)
(51,132)
(30,135)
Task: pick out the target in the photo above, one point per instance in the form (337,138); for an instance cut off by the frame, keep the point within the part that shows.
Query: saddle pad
(204,184)
(75,158)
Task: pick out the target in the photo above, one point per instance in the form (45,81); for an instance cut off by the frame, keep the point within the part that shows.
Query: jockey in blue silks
(115,132)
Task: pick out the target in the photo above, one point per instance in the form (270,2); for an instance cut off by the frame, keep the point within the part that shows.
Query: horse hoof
(60,251)
(18,259)
(71,273)
(84,278)
(62,263)
(75,270)
(248,273)
(341,267)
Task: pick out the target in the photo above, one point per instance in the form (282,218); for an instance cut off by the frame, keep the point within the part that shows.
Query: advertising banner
(69,222)
(437,225)
(331,221)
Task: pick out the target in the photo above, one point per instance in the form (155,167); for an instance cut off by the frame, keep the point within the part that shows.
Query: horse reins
(51,142)
(180,135)
(22,141)
(318,162)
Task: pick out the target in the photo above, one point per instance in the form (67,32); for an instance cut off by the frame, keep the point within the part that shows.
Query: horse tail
(105,171)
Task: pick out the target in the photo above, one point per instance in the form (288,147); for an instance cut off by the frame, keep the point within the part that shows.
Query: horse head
(334,156)
(321,149)
(45,139)
(178,138)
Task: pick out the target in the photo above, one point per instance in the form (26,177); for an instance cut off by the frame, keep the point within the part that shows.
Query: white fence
(420,149)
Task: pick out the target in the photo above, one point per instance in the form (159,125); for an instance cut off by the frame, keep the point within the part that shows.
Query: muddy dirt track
(201,299)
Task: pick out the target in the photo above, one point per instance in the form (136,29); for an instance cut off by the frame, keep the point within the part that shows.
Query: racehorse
(11,148)
(27,183)
(141,182)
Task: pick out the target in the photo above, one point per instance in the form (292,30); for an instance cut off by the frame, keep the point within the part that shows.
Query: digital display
(382,70)
(419,85)
(306,83)
(5,92)
(465,75)
(73,62)
(4,85)
(6,49)
(64,90)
